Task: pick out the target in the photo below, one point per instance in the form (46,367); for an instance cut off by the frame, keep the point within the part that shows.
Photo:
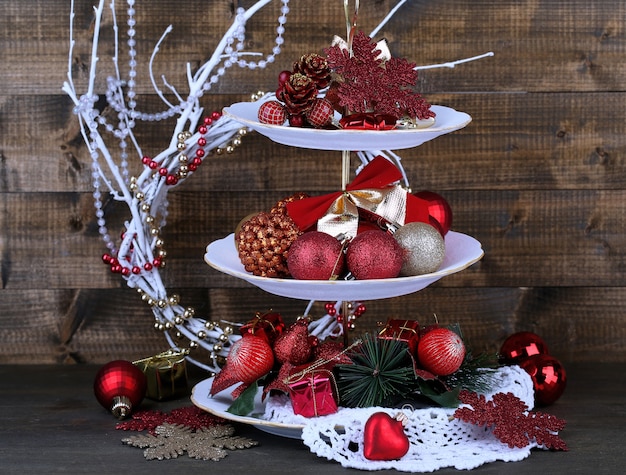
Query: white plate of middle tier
(447,120)
(461,252)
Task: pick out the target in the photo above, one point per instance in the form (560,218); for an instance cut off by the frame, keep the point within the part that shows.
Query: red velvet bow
(372,191)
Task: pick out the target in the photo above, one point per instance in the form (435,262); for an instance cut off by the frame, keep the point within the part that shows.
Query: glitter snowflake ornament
(173,440)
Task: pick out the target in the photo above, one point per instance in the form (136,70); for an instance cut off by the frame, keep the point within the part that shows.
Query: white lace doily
(435,440)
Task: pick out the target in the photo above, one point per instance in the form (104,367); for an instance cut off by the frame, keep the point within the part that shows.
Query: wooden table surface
(50,422)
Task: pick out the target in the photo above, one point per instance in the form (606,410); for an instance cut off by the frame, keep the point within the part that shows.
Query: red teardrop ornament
(384,438)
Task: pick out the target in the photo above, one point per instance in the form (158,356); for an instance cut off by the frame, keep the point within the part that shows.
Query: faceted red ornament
(320,113)
(441,351)
(384,438)
(520,346)
(374,255)
(548,375)
(120,386)
(439,210)
(272,113)
(315,256)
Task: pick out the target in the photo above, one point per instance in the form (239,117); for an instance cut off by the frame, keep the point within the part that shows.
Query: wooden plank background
(539,176)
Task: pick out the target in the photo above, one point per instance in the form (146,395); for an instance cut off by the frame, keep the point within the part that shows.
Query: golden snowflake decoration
(172,440)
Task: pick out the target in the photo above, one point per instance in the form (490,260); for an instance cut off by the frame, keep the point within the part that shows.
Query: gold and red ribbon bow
(373,191)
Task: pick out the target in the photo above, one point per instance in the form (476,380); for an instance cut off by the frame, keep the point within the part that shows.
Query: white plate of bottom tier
(461,252)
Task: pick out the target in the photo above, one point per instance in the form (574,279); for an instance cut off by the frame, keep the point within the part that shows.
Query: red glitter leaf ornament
(189,416)
(372,84)
(510,420)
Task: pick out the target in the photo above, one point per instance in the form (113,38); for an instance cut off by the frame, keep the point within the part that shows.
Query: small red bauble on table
(530,352)
(520,346)
(120,386)
(548,375)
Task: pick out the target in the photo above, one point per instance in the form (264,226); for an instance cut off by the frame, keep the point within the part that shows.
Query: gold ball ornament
(423,246)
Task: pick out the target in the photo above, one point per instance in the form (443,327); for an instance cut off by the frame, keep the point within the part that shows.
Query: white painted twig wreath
(140,254)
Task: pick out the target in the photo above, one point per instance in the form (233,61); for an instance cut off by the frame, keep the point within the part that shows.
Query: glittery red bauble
(272,113)
(441,351)
(439,210)
(520,346)
(374,255)
(120,387)
(293,345)
(315,256)
(384,438)
(548,375)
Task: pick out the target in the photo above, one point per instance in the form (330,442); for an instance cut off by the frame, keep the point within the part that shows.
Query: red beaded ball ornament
(374,255)
(315,256)
(548,375)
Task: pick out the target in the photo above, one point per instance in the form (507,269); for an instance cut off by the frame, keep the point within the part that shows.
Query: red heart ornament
(384,438)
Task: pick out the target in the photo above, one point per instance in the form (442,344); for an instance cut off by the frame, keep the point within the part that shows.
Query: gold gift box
(166,374)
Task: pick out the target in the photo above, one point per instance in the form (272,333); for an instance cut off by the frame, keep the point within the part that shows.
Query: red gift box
(402,330)
(313,391)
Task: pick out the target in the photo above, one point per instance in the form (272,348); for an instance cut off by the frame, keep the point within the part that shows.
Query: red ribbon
(377,179)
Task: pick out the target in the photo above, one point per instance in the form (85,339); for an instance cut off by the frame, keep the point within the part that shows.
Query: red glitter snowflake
(371,84)
(511,421)
(190,416)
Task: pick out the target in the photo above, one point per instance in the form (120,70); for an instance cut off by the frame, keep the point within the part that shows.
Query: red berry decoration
(441,351)
(315,256)
(320,113)
(548,375)
(249,358)
(374,255)
(272,113)
(520,346)
(384,438)
(283,77)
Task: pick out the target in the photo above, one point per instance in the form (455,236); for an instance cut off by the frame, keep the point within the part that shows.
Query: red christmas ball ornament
(548,375)
(520,346)
(249,358)
(439,210)
(320,113)
(374,255)
(294,345)
(315,256)
(272,113)
(283,77)
(120,387)
(384,438)
(441,351)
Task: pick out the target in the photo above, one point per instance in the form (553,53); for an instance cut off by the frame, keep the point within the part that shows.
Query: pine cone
(315,67)
(263,241)
(298,93)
